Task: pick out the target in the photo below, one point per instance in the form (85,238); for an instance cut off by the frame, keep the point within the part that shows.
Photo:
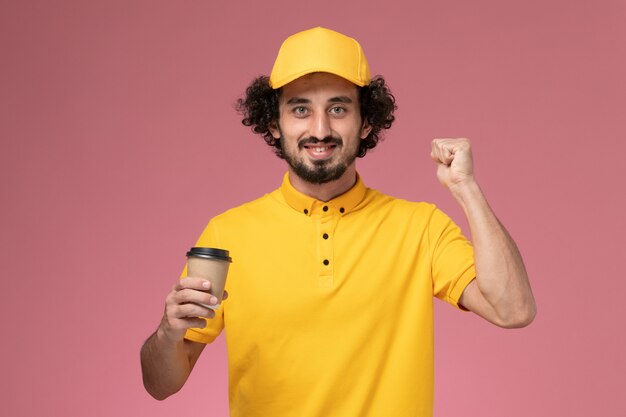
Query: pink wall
(119,142)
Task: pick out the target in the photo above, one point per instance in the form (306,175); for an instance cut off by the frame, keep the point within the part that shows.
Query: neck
(326,191)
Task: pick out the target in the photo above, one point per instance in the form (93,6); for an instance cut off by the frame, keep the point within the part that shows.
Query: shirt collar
(305,204)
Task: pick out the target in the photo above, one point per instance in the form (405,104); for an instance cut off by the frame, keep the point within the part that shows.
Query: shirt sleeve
(208,238)
(452,259)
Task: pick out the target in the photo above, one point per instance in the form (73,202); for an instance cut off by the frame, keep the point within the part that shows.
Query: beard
(322,171)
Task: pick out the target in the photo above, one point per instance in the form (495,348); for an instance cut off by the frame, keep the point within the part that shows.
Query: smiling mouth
(319,149)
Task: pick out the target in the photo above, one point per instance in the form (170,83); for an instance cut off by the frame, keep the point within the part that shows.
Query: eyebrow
(298,100)
(338,99)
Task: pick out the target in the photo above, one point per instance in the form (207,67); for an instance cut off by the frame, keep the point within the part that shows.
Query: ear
(274,129)
(365,129)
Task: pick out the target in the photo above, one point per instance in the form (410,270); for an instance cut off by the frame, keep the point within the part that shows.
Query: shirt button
(341,210)
(306,211)
(325,235)
(326,262)
(325,208)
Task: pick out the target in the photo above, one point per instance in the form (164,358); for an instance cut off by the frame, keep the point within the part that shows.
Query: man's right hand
(166,357)
(183,309)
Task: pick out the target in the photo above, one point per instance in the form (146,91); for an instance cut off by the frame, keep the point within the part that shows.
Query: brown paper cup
(211,264)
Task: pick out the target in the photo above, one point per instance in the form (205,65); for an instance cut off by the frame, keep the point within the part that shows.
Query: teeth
(320,149)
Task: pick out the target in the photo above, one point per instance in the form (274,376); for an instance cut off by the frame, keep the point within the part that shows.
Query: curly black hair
(259,108)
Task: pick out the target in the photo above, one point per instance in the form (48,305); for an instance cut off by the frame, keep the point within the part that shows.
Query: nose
(320,125)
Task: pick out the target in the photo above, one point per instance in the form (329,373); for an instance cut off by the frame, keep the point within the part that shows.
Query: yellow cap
(320,50)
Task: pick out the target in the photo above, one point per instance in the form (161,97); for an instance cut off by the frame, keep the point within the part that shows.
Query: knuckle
(171,298)
(175,298)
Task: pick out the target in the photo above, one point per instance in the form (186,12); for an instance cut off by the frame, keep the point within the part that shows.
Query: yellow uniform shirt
(330,308)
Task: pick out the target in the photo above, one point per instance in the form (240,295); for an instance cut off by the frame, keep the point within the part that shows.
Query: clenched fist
(454,161)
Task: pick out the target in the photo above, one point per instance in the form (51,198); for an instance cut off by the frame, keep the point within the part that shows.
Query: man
(330,308)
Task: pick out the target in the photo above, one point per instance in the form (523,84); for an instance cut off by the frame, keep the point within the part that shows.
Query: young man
(330,309)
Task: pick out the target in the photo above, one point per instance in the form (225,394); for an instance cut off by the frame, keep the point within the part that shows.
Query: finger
(447,154)
(188,323)
(188,295)
(195,283)
(192,310)
(225,296)
(442,151)
(457,143)
(196,323)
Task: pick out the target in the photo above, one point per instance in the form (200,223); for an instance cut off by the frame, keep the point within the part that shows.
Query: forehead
(318,86)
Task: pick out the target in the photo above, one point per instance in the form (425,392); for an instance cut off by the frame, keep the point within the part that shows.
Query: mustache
(314,141)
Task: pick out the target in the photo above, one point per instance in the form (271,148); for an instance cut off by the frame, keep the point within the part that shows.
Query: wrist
(465,191)
(166,335)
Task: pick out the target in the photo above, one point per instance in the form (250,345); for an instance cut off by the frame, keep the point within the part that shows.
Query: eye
(299,111)
(337,110)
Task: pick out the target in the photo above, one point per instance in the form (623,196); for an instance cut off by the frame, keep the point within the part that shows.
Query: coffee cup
(211,264)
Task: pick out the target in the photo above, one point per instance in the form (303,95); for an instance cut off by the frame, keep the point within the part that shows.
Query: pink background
(119,142)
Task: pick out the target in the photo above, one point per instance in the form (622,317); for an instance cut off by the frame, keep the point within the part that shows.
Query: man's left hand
(455,165)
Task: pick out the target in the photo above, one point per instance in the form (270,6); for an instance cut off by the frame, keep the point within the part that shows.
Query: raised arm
(501,292)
